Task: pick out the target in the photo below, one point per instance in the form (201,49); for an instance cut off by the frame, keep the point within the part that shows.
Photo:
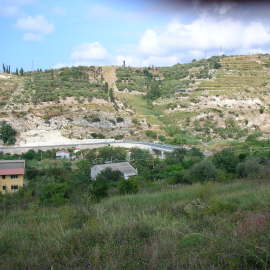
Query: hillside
(227,97)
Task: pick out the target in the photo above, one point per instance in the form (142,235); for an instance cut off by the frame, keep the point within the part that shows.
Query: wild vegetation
(162,219)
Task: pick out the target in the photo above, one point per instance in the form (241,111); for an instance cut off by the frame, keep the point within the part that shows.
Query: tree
(154,92)
(249,168)
(109,175)
(111,96)
(21,71)
(150,133)
(226,160)
(177,156)
(100,189)
(103,182)
(54,194)
(30,155)
(216,65)
(106,88)
(128,187)
(7,133)
(203,171)
(109,153)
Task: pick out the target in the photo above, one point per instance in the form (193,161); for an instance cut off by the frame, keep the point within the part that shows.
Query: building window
(14,176)
(14,187)
(3,176)
(4,187)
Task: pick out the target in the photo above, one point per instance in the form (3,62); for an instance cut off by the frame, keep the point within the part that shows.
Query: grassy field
(210,226)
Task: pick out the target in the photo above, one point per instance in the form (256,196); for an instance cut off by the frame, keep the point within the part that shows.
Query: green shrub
(206,191)
(249,168)
(227,160)
(100,189)
(98,136)
(203,171)
(192,240)
(178,178)
(109,175)
(54,194)
(7,133)
(119,119)
(154,92)
(127,186)
(119,137)
(217,207)
(150,133)
(162,138)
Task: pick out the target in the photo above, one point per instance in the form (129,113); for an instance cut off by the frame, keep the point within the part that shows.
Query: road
(79,146)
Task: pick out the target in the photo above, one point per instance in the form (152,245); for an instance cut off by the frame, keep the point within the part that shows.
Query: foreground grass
(211,226)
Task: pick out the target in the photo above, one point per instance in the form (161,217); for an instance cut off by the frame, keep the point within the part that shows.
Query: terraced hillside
(225,97)
(233,103)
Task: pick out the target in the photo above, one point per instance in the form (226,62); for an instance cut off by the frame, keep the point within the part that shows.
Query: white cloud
(89,51)
(102,11)
(36,27)
(62,65)
(204,34)
(32,37)
(180,42)
(12,8)
(19,2)
(9,11)
(203,37)
(150,43)
(140,61)
(36,24)
(59,10)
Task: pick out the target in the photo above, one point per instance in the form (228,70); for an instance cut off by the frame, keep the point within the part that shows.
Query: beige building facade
(11,175)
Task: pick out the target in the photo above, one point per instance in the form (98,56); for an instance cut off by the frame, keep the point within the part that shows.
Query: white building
(62,155)
(124,167)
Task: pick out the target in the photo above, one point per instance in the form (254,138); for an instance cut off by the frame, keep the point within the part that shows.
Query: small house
(11,175)
(62,155)
(124,167)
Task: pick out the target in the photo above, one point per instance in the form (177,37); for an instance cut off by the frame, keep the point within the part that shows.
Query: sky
(52,34)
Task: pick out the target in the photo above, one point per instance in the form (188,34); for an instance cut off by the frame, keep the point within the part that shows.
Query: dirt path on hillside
(109,74)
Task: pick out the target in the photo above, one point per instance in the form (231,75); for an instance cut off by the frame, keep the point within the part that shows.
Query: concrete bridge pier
(162,156)
(158,153)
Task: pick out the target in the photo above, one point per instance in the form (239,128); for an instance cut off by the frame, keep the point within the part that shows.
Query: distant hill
(221,98)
